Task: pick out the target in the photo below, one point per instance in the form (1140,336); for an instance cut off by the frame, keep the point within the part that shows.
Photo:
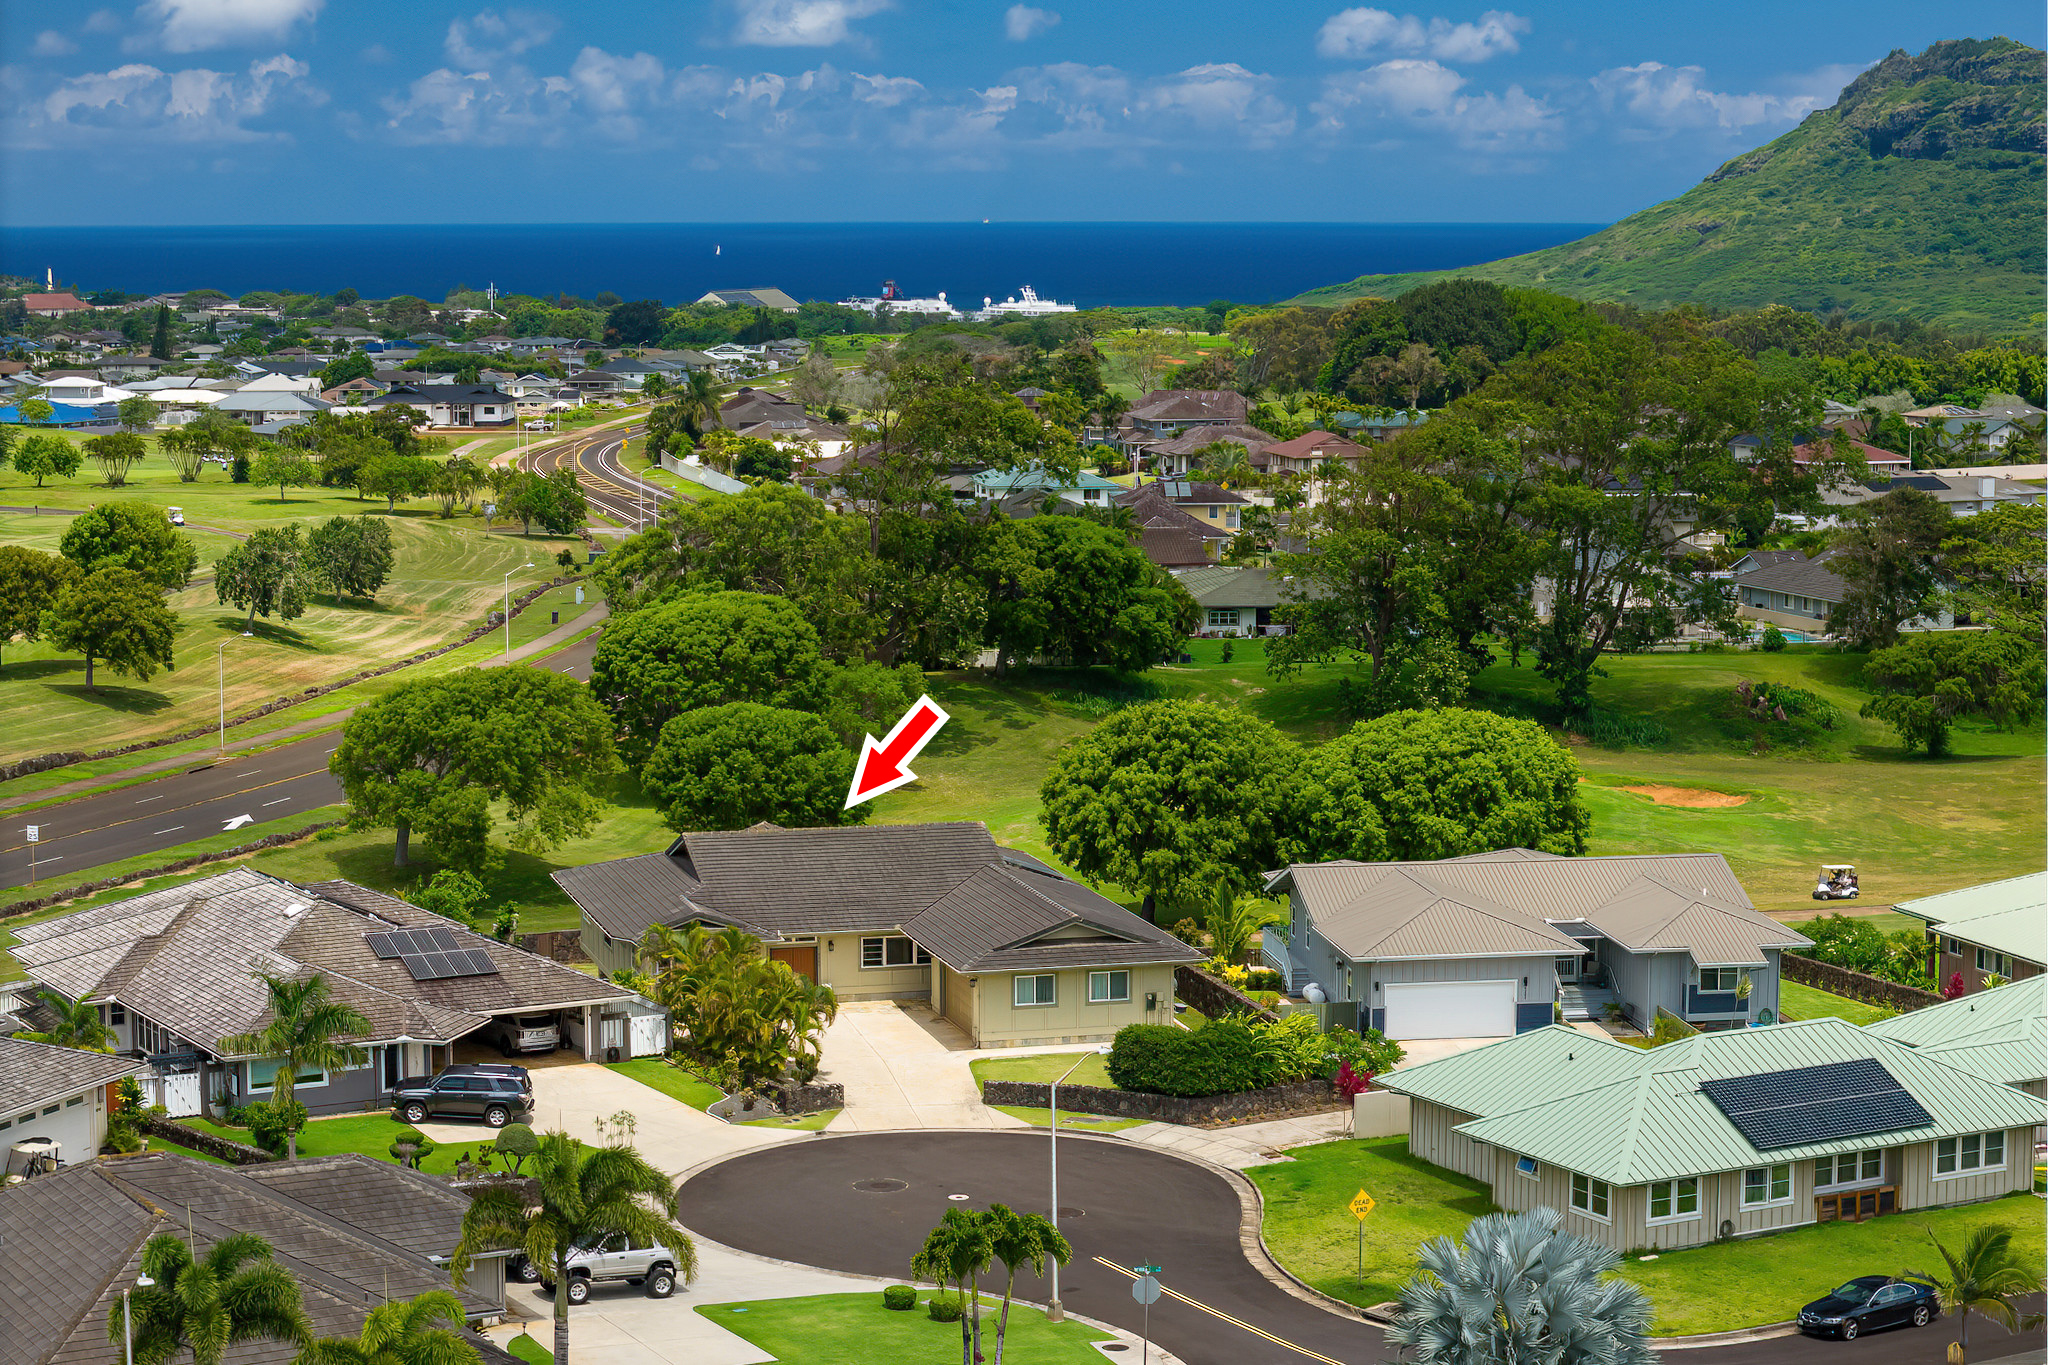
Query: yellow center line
(1130,1274)
(168,810)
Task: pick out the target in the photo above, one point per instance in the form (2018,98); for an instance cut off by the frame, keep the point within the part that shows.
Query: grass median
(855,1329)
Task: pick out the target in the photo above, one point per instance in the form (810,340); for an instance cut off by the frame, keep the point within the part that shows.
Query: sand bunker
(1695,797)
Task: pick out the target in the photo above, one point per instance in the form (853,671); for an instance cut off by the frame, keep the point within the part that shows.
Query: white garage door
(1451,1009)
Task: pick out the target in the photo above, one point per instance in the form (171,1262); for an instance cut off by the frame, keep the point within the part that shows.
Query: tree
(864,698)
(236,1294)
(1080,592)
(579,1197)
(704,649)
(1521,1289)
(734,1011)
(304,1034)
(817,382)
(396,478)
(954,1255)
(352,365)
(639,323)
(44,453)
(456,480)
(1887,554)
(131,535)
(426,1330)
(139,413)
(1986,1278)
(1172,799)
(351,556)
(30,582)
(1420,785)
(554,500)
(1234,922)
(77,1024)
(116,453)
(731,766)
(433,755)
(269,572)
(1928,680)
(1996,561)
(1020,1239)
(452,893)
(115,615)
(1417,369)
(285,466)
(160,337)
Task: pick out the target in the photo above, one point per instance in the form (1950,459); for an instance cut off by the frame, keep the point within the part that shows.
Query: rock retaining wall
(1871,990)
(560,945)
(240,1153)
(1212,996)
(1205,1111)
(793,1098)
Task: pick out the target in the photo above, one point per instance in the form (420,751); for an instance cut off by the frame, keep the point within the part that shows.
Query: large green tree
(29,584)
(116,616)
(351,556)
(731,766)
(269,572)
(1417,785)
(578,1196)
(1171,799)
(160,334)
(1081,593)
(306,1032)
(130,535)
(1888,556)
(1926,682)
(704,649)
(1998,561)
(204,1305)
(139,413)
(44,454)
(433,754)
(395,478)
(284,466)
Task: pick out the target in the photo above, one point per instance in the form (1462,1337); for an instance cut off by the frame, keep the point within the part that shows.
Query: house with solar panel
(1720,1135)
(173,972)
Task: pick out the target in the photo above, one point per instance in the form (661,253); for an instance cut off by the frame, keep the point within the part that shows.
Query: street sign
(35,834)
(1145,1290)
(1361,1204)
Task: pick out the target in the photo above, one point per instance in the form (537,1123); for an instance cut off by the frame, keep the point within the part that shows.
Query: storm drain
(881,1185)
(1071,1212)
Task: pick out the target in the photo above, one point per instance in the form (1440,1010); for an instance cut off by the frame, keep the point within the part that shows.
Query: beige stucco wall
(839,967)
(1070,1019)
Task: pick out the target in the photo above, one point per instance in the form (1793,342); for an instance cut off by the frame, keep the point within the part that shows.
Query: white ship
(895,301)
(1024,304)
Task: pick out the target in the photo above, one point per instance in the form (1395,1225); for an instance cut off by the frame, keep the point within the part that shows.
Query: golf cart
(1837,882)
(177,515)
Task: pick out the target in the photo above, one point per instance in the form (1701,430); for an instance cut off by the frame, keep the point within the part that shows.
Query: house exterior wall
(1430,1137)
(1920,1187)
(345,1092)
(1964,962)
(999,1022)
(956,999)
(77,1122)
(839,967)
(611,955)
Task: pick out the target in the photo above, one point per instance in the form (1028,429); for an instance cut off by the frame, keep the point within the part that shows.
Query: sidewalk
(270,738)
(1242,1146)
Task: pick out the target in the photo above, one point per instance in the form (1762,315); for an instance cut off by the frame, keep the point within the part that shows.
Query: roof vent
(297,908)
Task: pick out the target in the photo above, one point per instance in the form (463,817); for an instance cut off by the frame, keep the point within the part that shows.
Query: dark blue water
(1090,264)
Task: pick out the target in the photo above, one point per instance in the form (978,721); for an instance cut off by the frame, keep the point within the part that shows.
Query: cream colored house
(1009,949)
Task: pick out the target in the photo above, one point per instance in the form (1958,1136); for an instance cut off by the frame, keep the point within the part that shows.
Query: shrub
(1371,1053)
(516,1142)
(122,1135)
(1228,1054)
(900,1297)
(943,1308)
(1773,640)
(411,1146)
(271,1122)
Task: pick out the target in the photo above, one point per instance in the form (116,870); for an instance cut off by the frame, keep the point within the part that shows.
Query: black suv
(501,1069)
(497,1100)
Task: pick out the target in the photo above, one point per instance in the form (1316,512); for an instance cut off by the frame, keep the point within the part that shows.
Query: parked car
(1868,1302)
(540,424)
(497,1100)
(613,1259)
(512,1033)
(517,1073)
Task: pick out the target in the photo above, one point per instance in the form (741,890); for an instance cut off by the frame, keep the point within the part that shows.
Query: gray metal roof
(36,1074)
(1378,911)
(1654,915)
(999,919)
(1227,586)
(2010,916)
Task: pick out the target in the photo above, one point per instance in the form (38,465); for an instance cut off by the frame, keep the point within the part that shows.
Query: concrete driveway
(903,1067)
(1434,1049)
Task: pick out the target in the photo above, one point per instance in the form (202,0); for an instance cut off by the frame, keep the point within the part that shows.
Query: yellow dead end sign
(1361,1204)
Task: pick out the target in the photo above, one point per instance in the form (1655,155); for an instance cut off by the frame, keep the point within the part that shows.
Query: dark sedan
(1870,1302)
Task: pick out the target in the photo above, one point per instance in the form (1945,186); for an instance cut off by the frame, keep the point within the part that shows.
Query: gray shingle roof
(998,919)
(1803,577)
(33,1074)
(825,880)
(1229,586)
(1165,405)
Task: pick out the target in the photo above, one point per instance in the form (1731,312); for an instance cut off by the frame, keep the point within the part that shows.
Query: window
(1970,1152)
(263,1072)
(1767,1185)
(1212,514)
(892,952)
(1850,1168)
(1222,616)
(1672,1200)
(74,1101)
(1526,1165)
(1589,1196)
(1718,979)
(1106,987)
(1949,945)
(1988,961)
(1034,990)
(49,1111)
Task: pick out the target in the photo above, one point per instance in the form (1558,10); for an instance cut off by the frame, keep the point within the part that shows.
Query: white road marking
(172,830)
(279,802)
(147,799)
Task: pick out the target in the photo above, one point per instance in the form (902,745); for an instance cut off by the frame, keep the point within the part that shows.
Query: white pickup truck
(610,1260)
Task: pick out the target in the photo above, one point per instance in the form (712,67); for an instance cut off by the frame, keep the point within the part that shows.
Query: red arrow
(884,764)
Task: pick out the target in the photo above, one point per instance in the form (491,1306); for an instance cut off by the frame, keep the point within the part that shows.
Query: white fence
(698,474)
(177,1092)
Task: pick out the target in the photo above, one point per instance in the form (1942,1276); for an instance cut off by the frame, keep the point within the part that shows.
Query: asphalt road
(206,799)
(800,1202)
(607,484)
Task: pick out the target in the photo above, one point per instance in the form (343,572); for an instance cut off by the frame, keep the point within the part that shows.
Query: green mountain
(1919,194)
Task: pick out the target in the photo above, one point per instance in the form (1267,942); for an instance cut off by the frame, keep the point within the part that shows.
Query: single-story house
(1997,929)
(1010,950)
(1882,462)
(1801,594)
(1308,452)
(1083,489)
(352,1231)
(2000,1035)
(1718,1135)
(262,407)
(57,1094)
(54,305)
(1497,943)
(1965,495)
(1210,502)
(452,405)
(1236,601)
(172,973)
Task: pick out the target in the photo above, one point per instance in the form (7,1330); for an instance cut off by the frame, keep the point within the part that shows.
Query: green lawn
(854,1329)
(530,1351)
(802,1123)
(1047,1067)
(1093,1123)
(369,1134)
(157,1144)
(1804,1002)
(674,1083)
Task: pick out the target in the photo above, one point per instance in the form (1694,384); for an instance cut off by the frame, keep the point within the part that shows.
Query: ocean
(1088,264)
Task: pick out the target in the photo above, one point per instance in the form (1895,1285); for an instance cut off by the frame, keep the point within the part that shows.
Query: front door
(803,960)
(391,1077)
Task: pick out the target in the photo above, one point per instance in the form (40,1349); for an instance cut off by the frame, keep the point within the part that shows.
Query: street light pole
(220,668)
(1055,1313)
(127,1324)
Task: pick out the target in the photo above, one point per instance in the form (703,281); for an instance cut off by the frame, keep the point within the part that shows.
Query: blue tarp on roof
(63,415)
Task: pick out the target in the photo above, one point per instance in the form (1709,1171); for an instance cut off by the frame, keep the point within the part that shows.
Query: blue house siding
(1530,1015)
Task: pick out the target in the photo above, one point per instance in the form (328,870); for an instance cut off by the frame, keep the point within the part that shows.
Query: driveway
(1434,1049)
(903,1067)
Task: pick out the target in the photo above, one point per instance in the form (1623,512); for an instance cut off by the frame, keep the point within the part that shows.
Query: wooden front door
(802,960)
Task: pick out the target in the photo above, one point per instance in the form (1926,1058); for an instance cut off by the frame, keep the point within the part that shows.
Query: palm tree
(731,1002)
(78,1025)
(954,1254)
(1020,1239)
(1234,921)
(1521,1289)
(401,1334)
(583,1196)
(237,1293)
(1985,1279)
(301,1036)
(1226,462)
(696,402)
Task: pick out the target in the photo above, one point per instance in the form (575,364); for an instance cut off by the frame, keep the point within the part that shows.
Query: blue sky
(336,111)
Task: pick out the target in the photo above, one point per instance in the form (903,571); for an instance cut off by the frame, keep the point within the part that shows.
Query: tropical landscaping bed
(658,1073)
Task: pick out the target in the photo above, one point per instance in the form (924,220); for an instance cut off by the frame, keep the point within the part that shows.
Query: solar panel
(440,940)
(381,945)
(1812,1104)
(439,966)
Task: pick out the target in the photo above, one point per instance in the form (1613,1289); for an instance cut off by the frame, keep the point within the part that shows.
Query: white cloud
(50,43)
(801,23)
(1023,22)
(488,37)
(199,25)
(103,21)
(1362,32)
(1429,97)
(886,91)
(1662,99)
(1221,95)
(196,104)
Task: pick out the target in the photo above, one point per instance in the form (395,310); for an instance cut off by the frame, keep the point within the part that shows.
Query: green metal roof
(1532,1068)
(1651,1121)
(2009,916)
(2001,1035)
